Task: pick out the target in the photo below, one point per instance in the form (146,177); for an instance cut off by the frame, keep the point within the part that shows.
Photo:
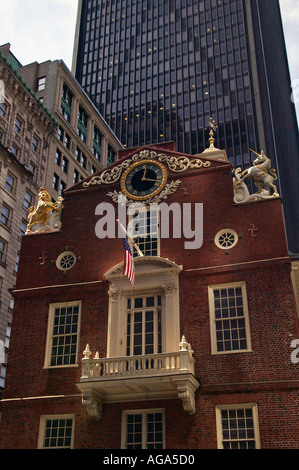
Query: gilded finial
(213,129)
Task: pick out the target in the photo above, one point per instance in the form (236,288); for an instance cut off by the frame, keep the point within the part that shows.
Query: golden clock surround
(140,163)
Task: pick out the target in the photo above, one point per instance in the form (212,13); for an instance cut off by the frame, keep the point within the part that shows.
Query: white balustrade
(145,365)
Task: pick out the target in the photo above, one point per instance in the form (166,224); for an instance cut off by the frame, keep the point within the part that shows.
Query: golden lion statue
(41,213)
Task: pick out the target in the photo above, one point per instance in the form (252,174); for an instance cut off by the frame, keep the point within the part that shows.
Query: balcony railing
(93,369)
(164,375)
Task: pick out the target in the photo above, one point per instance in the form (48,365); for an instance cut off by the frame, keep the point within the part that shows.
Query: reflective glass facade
(158,69)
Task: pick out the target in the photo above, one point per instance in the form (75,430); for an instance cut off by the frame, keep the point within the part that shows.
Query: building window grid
(144,430)
(28,199)
(64,337)
(144,334)
(146,225)
(2,250)
(5,215)
(97,143)
(41,83)
(57,432)
(215,24)
(229,319)
(18,125)
(10,183)
(34,144)
(3,109)
(23,228)
(66,103)
(237,427)
(82,124)
(55,183)
(15,150)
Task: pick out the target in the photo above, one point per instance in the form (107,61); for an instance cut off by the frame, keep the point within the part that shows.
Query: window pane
(58,433)
(229,319)
(64,333)
(238,428)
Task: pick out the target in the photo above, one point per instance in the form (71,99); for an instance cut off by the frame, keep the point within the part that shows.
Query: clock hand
(147,179)
(144,173)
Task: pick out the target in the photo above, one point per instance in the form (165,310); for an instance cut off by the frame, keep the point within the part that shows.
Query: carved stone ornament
(46,216)
(188,400)
(263,177)
(93,405)
(177,164)
(120,198)
(169,288)
(114,294)
(242,195)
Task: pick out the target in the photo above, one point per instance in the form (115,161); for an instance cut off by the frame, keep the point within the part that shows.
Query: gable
(175,163)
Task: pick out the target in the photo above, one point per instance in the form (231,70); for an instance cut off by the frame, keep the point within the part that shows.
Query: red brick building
(203,339)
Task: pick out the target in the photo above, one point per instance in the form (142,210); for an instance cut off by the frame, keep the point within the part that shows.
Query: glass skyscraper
(159,69)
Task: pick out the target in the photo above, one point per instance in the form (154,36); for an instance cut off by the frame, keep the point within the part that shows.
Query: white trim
(148,209)
(61,256)
(152,275)
(213,321)
(143,412)
(252,406)
(223,232)
(52,308)
(42,425)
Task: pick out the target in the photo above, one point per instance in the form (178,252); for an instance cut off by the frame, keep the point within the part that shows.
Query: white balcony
(131,378)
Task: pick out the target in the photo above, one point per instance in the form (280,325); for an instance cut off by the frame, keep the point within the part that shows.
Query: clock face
(143,180)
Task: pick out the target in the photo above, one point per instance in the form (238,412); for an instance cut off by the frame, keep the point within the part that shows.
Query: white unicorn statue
(263,177)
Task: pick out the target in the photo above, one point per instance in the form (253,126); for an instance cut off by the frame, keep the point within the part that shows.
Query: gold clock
(143,180)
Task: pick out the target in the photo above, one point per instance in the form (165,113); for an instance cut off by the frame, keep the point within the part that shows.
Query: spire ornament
(213,129)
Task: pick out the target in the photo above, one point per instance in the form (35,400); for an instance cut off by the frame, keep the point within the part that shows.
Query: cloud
(290,16)
(39,30)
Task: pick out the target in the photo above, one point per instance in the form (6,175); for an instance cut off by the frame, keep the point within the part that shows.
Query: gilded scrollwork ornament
(177,164)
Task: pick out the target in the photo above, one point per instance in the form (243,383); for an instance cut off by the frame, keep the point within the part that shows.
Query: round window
(226,239)
(66,260)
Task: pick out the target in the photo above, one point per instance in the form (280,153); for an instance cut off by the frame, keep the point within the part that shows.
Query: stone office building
(84,143)
(50,136)
(26,130)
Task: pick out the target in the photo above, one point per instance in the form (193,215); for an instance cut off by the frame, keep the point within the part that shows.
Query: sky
(39,30)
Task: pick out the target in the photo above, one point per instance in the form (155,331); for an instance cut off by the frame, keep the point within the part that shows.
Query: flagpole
(130,239)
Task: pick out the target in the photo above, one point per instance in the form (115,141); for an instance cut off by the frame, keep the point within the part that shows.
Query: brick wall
(266,376)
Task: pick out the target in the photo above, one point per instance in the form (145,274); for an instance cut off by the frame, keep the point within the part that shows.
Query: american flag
(129,267)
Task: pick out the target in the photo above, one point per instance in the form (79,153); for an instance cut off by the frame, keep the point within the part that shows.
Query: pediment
(145,266)
(176,164)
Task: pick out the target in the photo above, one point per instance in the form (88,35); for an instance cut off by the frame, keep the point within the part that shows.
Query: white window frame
(156,309)
(41,83)
(42,428)
(226,239)
(213,321)
(48,355)
(253,407)
(144,413)
(151,274)
(156,231)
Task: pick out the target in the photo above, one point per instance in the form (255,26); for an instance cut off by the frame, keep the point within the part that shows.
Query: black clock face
(143,180)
